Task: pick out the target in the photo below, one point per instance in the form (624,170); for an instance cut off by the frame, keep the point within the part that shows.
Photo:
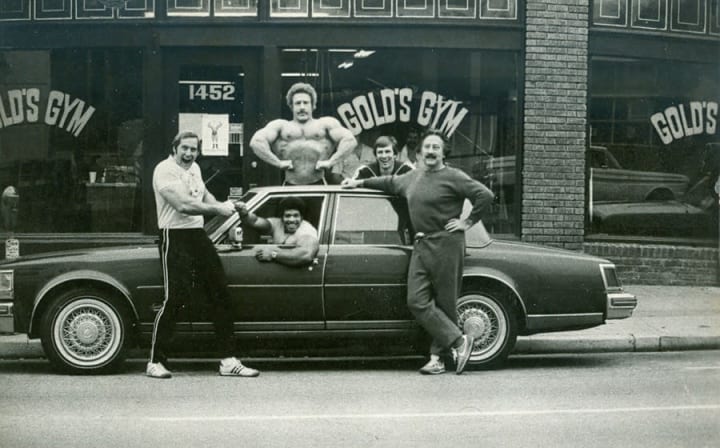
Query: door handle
(314,263)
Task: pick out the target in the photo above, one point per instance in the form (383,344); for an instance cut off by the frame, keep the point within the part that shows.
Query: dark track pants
(434,282)
(187,254)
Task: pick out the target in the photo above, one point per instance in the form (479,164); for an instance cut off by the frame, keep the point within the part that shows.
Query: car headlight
(6,283)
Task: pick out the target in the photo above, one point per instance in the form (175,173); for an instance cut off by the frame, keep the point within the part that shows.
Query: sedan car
(611,182)
(89,306)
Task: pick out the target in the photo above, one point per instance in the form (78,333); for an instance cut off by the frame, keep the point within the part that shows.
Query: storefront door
(213,93)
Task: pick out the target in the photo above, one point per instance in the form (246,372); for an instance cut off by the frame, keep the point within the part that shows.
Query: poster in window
(215,134)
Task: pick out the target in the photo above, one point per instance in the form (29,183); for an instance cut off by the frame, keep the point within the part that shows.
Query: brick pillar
(556,73)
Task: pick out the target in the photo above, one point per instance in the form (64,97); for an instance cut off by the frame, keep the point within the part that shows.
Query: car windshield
(216,221)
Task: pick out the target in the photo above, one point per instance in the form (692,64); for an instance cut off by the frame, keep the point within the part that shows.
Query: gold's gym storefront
(594,122)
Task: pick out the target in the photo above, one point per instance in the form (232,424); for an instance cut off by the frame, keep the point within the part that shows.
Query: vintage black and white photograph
(359,223)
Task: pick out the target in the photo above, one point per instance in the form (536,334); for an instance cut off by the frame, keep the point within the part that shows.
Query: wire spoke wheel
(491,322)
(83,331)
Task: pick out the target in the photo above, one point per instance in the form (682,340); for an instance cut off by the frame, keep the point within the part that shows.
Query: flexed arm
(262,141)
(342,137)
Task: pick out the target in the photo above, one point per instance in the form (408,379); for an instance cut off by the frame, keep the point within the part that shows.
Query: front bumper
(620,305)
(7,318)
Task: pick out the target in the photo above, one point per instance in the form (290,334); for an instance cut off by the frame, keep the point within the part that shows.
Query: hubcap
(484,319)
(87,332)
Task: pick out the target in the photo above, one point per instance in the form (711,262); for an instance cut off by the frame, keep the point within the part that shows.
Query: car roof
(310,189)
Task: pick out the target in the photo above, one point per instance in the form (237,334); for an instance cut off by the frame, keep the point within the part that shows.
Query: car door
(268,296)
(367,262)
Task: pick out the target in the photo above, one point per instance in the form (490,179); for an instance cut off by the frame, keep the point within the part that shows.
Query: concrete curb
(619,343)
(19,347)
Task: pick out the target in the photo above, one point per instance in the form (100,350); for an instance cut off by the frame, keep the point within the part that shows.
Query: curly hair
(301,87)
(291,203)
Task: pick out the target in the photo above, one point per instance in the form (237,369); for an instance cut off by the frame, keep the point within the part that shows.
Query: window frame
(336,216)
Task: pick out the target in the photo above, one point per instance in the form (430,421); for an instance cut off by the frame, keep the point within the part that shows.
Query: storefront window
(469,95)
(71,133)
(654,155)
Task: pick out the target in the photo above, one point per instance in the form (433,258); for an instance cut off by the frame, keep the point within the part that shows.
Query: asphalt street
(592,400)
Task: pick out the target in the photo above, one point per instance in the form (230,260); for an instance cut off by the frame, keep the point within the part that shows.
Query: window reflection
(72,138)
(471,95)
(654,154)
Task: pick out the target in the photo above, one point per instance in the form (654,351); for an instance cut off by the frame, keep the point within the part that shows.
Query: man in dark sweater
(386,163)
(435,195)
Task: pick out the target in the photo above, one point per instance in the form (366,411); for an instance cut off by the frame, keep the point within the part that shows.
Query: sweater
(435,197)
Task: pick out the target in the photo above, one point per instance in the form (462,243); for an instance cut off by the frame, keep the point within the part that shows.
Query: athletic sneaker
(462,354)
(433,367)
(233,367)
(157,370)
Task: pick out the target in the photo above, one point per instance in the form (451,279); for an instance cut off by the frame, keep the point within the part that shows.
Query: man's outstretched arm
(251,219)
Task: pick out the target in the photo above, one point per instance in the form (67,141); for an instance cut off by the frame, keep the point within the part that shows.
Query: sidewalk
(667,318)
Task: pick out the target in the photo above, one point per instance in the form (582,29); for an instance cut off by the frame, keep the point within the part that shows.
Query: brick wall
(654,264)
(556,71)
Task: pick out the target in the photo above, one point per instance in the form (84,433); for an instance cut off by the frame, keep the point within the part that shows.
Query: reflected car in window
(89,306)
(611,182)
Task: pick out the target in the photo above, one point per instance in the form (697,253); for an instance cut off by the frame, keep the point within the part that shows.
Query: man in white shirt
(186,253)
(296,240)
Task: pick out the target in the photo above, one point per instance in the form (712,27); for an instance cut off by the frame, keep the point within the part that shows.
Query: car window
(214,223)
(371,220)
(270,208)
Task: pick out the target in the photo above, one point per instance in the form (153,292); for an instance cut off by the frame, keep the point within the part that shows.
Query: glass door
(211,95)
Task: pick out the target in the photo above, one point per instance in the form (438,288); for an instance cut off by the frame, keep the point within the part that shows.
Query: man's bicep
(309,243)
(175,194)
(269,133)
(336,131)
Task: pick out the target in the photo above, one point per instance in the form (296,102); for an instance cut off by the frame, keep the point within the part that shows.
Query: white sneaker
(462,354)
(433,367)
(157,370)
(233,367)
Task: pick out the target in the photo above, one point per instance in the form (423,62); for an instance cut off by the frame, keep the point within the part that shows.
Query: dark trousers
(434,282)
(188,255)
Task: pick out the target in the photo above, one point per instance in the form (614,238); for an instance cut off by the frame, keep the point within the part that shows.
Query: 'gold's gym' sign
(56,108)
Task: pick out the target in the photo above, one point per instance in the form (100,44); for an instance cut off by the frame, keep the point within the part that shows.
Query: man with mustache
(386,164)
(188,255)
(296,239)
(435,193)
(305,148)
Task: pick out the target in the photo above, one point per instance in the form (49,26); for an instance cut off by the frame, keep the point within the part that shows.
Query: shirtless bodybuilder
(304,147)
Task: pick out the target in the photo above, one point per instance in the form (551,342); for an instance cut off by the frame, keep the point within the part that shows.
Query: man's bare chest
(310,131)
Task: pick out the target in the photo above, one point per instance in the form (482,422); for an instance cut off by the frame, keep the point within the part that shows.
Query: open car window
(314,205)
(372,220)
(214,223)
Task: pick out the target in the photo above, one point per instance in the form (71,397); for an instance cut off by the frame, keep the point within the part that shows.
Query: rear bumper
(620,305)
(7,318)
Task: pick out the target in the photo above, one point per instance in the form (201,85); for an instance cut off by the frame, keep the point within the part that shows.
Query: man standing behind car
(435,193)
(186,253)
(296,238)
(386,163)
(305,148)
